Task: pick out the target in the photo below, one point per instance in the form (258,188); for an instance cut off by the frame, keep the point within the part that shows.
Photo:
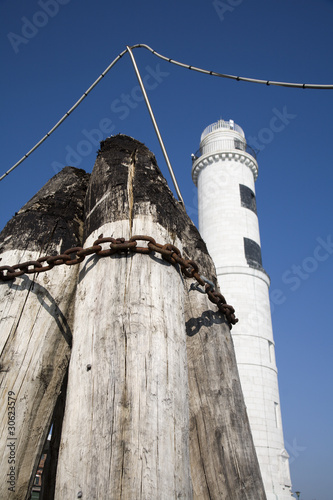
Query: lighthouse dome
(220,125)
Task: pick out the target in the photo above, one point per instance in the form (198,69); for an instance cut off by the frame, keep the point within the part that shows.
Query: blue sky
(52,52)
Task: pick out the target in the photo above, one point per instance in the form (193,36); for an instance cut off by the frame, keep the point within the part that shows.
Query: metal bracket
(196,287)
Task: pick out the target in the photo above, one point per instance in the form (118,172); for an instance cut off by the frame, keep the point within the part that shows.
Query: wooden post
(35,325)
(126,427)
(224,464)
(128,390)
(154,406)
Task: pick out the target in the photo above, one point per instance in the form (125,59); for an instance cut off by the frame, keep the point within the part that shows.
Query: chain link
(75,255)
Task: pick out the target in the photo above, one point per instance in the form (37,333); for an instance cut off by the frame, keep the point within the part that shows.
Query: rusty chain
(76,255)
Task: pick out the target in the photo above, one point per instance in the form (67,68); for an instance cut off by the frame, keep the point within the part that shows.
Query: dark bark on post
(35,321)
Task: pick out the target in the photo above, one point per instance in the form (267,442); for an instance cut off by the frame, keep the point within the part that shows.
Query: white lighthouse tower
(225,170)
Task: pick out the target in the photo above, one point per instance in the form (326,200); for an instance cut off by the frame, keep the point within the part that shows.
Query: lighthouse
(225,170)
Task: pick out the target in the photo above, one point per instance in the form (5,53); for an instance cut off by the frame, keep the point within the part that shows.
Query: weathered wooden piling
(224,464)
(154,407)
(126,427)
(133,428)
(35,325)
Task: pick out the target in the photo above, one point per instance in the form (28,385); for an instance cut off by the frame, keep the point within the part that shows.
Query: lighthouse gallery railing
(224,145)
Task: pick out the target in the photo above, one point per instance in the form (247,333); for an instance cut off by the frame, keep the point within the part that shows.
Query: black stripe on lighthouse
(248,198)
(252,253)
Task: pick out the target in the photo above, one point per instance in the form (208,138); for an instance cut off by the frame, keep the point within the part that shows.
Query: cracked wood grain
(156,419)
(154,404)
(132,405)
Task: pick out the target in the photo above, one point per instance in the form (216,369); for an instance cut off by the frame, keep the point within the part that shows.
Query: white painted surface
(223,224)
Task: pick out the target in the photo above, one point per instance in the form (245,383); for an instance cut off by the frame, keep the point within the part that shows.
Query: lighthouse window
(248,198)
(252,253)
(276,414)
(271,351)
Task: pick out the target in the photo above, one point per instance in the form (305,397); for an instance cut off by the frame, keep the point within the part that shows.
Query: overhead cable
(233,77)
(159,137)
(66,115)
(172,61)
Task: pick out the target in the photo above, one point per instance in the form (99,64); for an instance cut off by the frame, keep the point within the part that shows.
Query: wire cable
(157,130)
(172,61)
(233,77)
(66,115)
